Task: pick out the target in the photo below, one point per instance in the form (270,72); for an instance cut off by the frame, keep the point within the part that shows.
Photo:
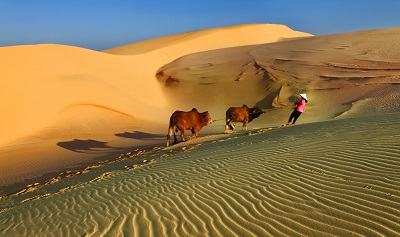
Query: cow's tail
(171,131)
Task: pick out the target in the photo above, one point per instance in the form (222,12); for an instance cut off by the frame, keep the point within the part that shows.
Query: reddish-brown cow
(240,114)
(192,120)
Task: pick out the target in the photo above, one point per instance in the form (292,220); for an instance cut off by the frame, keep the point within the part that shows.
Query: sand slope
(45,83)
(333,178)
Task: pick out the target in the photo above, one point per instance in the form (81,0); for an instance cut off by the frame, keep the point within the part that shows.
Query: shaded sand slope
(47,85)
(333,178)
(64,106)
(359,70)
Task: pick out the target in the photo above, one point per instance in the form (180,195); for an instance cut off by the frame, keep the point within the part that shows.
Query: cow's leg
(227,125)
(182,134)
(169,135)
(195,132)
(230,126)
(175,139)
(227,129)
(244,128)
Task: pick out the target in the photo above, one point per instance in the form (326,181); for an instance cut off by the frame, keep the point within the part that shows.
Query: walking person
(300,108)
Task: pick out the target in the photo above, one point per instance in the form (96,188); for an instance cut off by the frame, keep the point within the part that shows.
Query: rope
(270,109)
(264,111)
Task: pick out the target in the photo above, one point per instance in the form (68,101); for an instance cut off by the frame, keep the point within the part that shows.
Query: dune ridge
(213,38)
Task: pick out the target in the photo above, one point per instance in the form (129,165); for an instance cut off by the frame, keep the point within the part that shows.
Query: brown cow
(241,114)
(192,120)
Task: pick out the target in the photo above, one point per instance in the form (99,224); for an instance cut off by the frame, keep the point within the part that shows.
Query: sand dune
(83,133)
(56,94)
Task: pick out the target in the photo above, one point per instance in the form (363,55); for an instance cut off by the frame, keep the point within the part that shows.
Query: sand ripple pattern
(338,178)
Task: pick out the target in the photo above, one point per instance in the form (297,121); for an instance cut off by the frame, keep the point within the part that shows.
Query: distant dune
(352,73)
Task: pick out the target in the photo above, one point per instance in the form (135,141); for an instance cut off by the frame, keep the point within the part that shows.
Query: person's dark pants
(295,115)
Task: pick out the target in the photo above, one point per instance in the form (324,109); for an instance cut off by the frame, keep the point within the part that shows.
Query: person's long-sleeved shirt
(301,105)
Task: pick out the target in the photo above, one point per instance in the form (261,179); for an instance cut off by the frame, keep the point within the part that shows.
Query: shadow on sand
(83,146)
(140,135)
(90,145)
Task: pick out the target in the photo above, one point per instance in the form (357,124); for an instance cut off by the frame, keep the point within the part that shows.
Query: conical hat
(304,96)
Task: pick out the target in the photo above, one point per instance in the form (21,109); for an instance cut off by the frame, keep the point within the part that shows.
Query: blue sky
(102,24)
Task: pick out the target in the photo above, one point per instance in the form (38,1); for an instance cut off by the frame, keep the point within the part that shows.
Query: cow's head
(206,117)
(255,112)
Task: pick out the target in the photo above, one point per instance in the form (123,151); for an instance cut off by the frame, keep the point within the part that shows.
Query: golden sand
(83,134)
(334,178)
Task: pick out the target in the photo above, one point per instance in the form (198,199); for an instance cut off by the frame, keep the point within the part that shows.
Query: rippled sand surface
(335,178)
